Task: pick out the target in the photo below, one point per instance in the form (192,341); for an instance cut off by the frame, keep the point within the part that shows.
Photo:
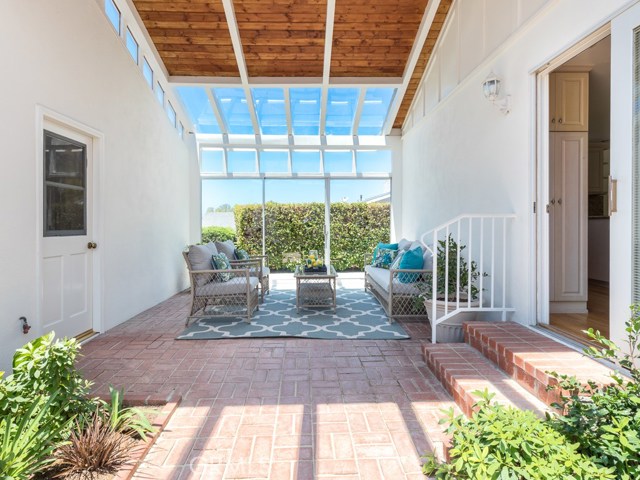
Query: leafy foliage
(217,234)
(92,450)
(447,270)
(40,369)
(605,419)
(27,439)
(498,442)
(292,230)
(126,420)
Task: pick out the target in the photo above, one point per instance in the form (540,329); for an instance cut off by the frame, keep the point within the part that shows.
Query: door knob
(92,245)
(560,120)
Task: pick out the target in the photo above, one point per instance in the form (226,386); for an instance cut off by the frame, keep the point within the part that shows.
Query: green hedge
(220,234)
(356,228)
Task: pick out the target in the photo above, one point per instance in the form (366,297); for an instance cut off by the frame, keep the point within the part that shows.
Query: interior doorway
(578,182)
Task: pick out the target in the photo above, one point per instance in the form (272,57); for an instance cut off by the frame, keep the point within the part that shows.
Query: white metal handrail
(476,241)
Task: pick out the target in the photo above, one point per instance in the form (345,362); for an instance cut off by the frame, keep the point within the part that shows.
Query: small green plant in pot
(448,284)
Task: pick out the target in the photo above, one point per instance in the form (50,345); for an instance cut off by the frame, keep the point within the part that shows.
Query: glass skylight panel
(305,110)
(171,113)
(212,160)
(338,161)
(160,94)
(132,45)
(234,109)
(240,160)
(196,102)
(274,161)
(113,14)
(373,161)
(305,161)
(341,109)
(375,110)
(270,109)
(147,72)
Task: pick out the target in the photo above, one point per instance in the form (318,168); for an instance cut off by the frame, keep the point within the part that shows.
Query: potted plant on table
(452,287)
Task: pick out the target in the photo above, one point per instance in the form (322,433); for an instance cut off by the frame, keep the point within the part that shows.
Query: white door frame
(541,167)
(44,114)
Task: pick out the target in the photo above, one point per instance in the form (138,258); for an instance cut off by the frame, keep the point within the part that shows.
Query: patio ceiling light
(491,89)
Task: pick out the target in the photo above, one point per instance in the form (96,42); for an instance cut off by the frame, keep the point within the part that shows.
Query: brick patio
(275,408)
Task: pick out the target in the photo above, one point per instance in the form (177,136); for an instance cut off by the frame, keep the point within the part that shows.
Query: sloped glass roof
(280,111)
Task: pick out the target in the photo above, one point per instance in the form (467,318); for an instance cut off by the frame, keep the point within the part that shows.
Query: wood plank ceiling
(286,38)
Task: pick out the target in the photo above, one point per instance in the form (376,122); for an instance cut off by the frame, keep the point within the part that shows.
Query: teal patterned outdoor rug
(358,316)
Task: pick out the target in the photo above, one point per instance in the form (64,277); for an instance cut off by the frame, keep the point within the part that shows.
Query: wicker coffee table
(315,289)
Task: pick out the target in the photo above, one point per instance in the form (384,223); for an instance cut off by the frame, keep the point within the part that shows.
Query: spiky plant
(94,450)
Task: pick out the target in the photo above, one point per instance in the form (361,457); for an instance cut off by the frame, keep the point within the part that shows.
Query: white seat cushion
(200,259)
(237,285)
(381,277)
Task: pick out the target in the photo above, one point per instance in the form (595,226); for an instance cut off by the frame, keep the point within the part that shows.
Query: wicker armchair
(222,293)
(258,266)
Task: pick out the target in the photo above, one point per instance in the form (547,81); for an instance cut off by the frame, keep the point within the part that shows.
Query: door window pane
(65,195)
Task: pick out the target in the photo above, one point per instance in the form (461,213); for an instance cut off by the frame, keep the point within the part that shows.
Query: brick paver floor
(275,408)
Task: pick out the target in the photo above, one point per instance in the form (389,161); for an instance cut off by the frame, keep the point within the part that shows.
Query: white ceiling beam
(287,110)
(234,31)
(224,128)
(358,114)
(290,146)
(416,49)
(283,82)
(326,66)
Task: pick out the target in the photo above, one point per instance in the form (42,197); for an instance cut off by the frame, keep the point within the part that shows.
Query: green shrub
(41,368)
(29,438)
(219,234)
(356,228)
(605,419)
(498,442)
(126,420)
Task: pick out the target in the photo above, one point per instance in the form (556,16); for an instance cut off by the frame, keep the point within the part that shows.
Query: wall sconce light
(491,89)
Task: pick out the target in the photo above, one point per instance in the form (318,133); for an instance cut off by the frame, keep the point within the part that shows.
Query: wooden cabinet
(568,210)
(569,105)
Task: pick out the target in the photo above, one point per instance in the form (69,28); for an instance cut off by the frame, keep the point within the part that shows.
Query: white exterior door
(625,135)
(66,263)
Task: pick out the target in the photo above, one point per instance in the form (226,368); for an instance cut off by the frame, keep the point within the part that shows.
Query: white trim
(326,65)
(356,118)
(42,115)
(414,56)
(216,112)
(284,82)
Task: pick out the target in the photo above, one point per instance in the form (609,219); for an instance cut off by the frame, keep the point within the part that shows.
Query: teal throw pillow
(411,260)
(242,254)
(389,246)
(385,257)
(221,262)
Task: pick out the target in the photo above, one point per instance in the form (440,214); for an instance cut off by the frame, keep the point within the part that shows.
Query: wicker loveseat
(397,289)
(219,293)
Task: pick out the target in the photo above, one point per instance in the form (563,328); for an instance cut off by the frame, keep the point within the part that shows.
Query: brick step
(526,356)
(462,370)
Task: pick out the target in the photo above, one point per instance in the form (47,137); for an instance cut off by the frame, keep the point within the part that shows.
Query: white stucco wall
(460,154)
(66,57)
